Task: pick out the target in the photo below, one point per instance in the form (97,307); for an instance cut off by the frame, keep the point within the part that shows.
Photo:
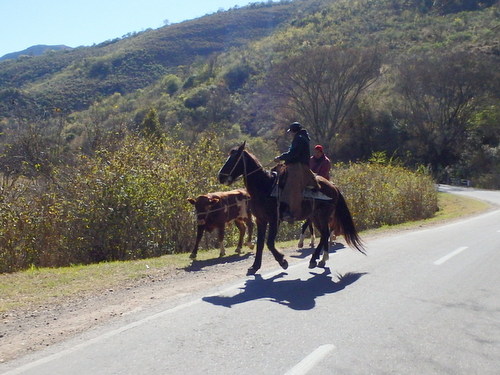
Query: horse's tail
(344,220)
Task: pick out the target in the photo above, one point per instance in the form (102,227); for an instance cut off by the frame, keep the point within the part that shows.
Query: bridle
(245,173)
(245,176)
(229,175)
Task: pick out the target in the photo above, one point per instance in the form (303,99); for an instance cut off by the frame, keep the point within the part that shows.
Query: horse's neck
(258,183)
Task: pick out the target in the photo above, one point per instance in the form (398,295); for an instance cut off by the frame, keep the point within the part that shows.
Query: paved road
(421,302)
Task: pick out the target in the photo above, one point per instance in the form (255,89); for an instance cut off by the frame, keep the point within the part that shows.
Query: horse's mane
(255,160)
(258,163)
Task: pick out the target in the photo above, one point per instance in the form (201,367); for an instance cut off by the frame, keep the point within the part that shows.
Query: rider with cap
(298,173)
(320,163)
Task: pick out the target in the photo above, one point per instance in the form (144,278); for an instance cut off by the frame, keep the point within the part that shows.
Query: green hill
(433,100)
(73,79)
(34,51)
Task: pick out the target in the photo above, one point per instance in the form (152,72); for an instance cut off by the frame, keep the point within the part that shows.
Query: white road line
(99,338)
(306,365)
(450,255)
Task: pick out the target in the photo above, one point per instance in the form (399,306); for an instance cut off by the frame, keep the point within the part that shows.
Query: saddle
(308,193)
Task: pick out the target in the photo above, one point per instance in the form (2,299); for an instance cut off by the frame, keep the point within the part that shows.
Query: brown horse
(265,208)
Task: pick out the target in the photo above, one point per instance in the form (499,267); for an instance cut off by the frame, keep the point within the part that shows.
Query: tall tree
(323,85)
(440,93)
(150,126)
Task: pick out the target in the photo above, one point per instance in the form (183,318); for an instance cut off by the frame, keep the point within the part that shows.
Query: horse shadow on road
(198,265)
(307,251)
(296,294)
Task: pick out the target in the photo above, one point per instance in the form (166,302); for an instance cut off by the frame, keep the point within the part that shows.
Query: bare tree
(440,93)
(323,85)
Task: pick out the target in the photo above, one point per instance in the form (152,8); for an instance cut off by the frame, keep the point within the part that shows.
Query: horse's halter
(245,174)
(229,176)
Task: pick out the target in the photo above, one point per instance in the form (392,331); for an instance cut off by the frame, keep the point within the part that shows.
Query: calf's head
(203,204)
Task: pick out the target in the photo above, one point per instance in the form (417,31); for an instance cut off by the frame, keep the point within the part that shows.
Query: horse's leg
(311,229)
(221,241)
(280,257)
(323,244)
(199,234)
(261,236)
(333,237)
(324,259)
(249,223)
(306,224)
(326,252)
(241,228)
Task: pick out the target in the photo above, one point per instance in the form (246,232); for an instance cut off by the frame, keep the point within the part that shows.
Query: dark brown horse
(259,184)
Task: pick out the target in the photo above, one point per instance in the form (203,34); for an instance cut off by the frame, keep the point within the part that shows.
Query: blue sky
(24,23)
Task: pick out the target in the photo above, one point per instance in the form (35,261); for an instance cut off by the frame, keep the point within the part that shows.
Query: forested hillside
(73,79)
(115,134)
(415,79)
(34,51)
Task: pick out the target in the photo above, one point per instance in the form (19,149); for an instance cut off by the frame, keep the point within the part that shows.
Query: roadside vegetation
(43,286)
(129,201)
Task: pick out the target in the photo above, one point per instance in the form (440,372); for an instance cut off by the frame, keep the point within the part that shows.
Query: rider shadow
(198,265)
(296,294)
(307,251)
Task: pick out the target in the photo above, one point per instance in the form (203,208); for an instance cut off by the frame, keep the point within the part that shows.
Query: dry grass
(44,285)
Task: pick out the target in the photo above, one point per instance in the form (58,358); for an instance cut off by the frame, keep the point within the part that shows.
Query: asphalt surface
(422,302)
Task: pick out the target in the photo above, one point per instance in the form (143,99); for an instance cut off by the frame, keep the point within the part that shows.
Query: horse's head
(233,167)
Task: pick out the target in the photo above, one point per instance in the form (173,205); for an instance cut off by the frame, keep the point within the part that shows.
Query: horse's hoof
(192,256)
(238,251)
(284,264)
(251,271)
(311,244)
(300,245)
(221,255)
(322,264)
(312,264)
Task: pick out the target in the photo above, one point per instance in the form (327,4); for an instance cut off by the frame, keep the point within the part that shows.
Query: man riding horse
(298,174)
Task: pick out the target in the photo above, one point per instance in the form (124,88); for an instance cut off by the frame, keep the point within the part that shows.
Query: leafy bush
(236,76)
(127,204)
(171,83)
(198,98)
(385,195)
(378,194)
(132,203)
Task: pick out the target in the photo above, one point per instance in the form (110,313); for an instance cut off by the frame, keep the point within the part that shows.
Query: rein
(208,212)
(245,173)
(245,176)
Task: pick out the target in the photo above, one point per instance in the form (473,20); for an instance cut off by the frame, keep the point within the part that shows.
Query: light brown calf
(214,210)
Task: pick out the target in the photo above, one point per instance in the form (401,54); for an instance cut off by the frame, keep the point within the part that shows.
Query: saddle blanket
(308,194)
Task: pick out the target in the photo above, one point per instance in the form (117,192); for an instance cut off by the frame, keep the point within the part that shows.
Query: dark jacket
(299,149)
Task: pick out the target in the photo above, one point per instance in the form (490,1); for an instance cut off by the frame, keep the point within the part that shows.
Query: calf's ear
(191,200)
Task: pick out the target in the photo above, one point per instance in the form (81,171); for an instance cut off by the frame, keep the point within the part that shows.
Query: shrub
(171,83)
(127,204)
(132,203)
(378,195)
(385,195)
